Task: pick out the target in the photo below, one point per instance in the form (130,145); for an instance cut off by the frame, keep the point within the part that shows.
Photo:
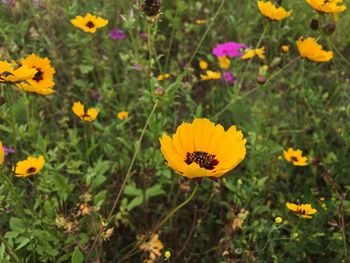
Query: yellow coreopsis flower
(224,62)
(303,210)
(260,52)
(285,48)
(42,82)
(203,64)
(201,21)
(327,6)
(89,23)
(310,49)
(2,154)
(271,12)
(123,115)
(203,149)
(295,156)
(163,76)
(9,74)
(28,167)
(90,115)
(211,75)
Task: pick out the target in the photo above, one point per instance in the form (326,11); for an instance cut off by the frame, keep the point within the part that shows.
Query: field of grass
(112,183)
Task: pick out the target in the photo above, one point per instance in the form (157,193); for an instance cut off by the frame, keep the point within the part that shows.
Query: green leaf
(135,202)
(77,256)
(132,191)
(155,190)
(86,68)
(17,224)
(23,243)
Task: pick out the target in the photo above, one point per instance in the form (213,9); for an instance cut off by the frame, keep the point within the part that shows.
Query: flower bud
(261,80)
(314,24)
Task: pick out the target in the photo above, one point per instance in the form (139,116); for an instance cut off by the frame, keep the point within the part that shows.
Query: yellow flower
(285,48)
(78,109)
(295,156)
(89,23)
(201,21)
(278,220)
(163,76)
(167,254)
(310,49)
(42,82)
(304,210)
(201,149)
(123,115)
(327,6)
(9,74)
(153,246)
(260,52)
(211,75)
(30,166)
(203,64)
(224,62)
(2,154)
(271,12)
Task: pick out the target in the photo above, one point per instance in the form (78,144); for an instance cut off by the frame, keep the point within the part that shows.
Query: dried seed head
(329,27)
(314,24)
(151,8)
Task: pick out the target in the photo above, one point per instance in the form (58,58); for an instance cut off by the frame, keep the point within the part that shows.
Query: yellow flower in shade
(167,254)
(203,149)
(153,246)
(89,23)
(304,210)
(211,75)
(30,166)
(78,109)
(9,74)
(260,52)
(224,62)
(43,81)
(123,115)
(201,21)
(271,12)
(163,76)
(2,154)
(310,49)
(285,48)
(327,6)
(295,156)
(278,220)
(203,64)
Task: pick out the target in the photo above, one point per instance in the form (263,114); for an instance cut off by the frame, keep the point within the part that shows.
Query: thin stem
(295,229)
(149,35)
(172,35)
(338,52)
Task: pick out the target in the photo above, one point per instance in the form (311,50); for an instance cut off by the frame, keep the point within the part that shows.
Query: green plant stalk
(13,118)
(172,35)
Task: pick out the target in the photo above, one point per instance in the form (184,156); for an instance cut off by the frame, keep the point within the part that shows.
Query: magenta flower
(228,77)
(230,49)
(144,35)
(8,150)
(137,67)
(117,34)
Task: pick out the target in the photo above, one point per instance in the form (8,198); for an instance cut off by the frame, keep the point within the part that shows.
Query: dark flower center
(31,170)
(203,159)
(90,24)
(301,211)
(85,116)
(39,75)
(294,159)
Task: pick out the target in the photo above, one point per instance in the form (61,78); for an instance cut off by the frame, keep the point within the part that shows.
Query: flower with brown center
(30,166)
(303,210)
(295,156)
(89,23)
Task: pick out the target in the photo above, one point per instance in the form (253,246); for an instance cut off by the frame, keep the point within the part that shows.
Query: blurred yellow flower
(278,220)
(211,75)
(203,149)
(89,23)
(43,81)
(295,156)
(310,49)
(201,21)
(2,154)
(224,62)
(167,254)
(260,52)
(163,76)
(203,64)
(30,166)
(303,210)
(285,48)
(153,246)
(123,115)
(9,74)
(271,12)
(327,6)
(90,115)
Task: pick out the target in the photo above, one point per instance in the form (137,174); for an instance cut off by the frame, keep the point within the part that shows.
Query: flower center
(39,75)
(294,159)
(31,170)
(85,116)
(301,211)
(203,159)
(90,24)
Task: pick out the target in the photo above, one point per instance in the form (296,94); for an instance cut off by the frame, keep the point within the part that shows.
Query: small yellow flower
(295,156)
(278,220)
(210,75)
(327,6)
(30,166)
(9,74)
(271,12)
(303,210)
(201,21)
(123,115)
(2,154)
(260,52)
(153,246)
(90,115)
(310,49)
(285,48)
(203,64)
(163,76)
(224,62)
(167,254)
(89,23)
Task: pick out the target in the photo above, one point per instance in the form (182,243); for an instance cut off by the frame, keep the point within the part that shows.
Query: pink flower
(228,77)
(230,49)
(117,34)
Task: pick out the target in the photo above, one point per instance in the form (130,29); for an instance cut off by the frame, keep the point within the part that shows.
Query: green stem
(172,35)
(149,35)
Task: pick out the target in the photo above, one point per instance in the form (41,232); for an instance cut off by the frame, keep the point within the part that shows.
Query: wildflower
(327,6)
(310,49)
(123,115)
(163,76)
(230,49)
(228,77)
(153,246)
(89,23)
(285,48)
(167,255)
(211,75)
(117,34)
(144,35)
(2,154)
(224,62)
(42,82)
(106,235)
(151,8)
(8,74)
(201,21)
(90,115)
(159,91)
(250,53)
(314,24)
(203,64)
(270,11)
(30,166)
(261,80)
(295,156)
(278,220)
(201,148)
(66,224)
(84,209)
(304,210)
